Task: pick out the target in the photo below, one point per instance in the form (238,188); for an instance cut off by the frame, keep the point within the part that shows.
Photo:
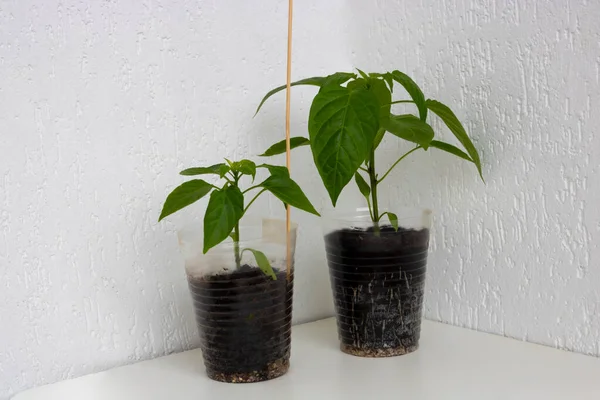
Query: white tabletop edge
(452,363)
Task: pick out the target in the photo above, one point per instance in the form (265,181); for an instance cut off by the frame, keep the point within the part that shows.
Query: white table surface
(452,363)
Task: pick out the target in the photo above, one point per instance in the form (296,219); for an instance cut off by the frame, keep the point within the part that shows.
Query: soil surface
(378,285)
(244,319)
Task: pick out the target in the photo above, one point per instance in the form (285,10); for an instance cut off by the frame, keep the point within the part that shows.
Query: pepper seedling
(347,123)
(227,204)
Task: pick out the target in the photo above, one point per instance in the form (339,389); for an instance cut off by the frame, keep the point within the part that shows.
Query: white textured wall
(520,255)
(101,104)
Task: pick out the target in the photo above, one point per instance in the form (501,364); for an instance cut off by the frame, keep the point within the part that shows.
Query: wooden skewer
(288,162)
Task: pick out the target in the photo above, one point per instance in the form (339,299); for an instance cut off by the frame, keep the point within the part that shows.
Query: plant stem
(399,102)
(250,188)
(252,201)
(236,246)
(370,208)
(374,182)
(236,231)
(396,163)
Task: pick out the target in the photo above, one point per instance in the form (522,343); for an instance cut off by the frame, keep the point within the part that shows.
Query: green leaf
(383,95)
(359,83)
(335,79)
(263,262)
(449,118)
(288,191)
(184,195)
(447,147)
(411,128)
(279,147)
(217,169)
(363,186)
(342,126)
(338,78)
(225,209)
(390,81)
(393,220)
(379,88)
(276,169)
(314,81)
(413,90)
(379,137)
(246,167)
(365,76)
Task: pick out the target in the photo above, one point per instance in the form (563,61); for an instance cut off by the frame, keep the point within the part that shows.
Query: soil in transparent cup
(378,280)
(243,316)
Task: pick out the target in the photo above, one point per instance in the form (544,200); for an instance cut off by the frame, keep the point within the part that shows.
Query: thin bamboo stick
(288,160)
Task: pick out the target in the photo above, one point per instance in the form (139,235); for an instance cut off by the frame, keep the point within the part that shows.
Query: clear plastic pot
(378,277)
(244,317)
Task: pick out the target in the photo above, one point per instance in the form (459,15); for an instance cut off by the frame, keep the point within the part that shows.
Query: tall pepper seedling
(348,119)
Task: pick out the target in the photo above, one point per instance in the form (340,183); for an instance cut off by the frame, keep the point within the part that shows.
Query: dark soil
(378,285)
(244,319)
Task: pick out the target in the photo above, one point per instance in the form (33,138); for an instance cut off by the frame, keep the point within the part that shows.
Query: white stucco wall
(102,103)
(519,255)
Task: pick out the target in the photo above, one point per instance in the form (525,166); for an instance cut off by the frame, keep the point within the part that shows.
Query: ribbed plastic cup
(244,317)
(378,280)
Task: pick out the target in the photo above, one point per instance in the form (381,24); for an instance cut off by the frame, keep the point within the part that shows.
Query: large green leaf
(363,186)
(225,209)
(358,83)
(334,79)
(217,169)
(184,195)
(413,90)
(379,89)
(447,147)
(263,262)
(342,126)
(384,96)
(411,128)
(279,147)
(452,122)
(288,191)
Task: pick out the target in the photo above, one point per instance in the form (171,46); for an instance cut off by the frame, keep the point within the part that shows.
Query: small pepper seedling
(227,204)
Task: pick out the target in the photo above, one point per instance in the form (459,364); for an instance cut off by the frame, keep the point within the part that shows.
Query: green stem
(252,201)
(398,102)
(370,208)
(250,188)
(375,204)
(236,246)
(236,232)
(234,179)
(396,163)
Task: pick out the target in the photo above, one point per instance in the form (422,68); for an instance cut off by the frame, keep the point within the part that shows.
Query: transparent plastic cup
(243,316)
(378,277)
